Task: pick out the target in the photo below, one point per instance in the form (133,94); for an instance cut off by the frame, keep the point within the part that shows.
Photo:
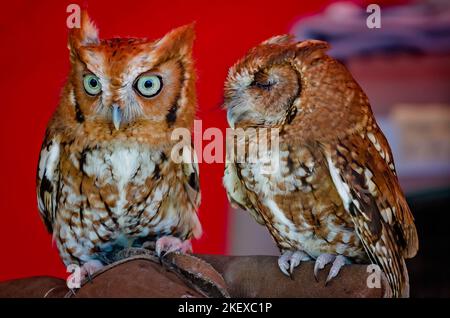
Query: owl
(105,178)
(335,197)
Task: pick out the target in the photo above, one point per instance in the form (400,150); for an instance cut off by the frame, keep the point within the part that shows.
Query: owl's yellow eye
(149,85)
(92,84)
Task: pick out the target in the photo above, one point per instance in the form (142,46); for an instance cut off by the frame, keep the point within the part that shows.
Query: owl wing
(369,189)
(191,179)
(47,180)
(237,192)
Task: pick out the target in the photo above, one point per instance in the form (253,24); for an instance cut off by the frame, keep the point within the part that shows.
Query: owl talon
(89,268)
(289,260)
(169,244)
(89,277)
(320,263)
(336,267)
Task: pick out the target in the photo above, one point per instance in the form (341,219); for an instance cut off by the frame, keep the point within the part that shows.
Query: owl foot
(321,261)
(89,268)
(290,260)
(324,259)
(169,244)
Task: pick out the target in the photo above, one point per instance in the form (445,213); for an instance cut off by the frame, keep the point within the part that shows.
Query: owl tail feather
(398,280)
(404,292)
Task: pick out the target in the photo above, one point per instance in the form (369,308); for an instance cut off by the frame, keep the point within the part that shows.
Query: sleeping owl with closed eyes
(105,180)
(336,197)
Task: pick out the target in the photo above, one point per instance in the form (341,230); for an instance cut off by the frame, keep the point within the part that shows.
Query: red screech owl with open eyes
(335,197)
(105,178)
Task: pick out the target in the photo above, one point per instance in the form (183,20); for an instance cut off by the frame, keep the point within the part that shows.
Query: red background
(34,63)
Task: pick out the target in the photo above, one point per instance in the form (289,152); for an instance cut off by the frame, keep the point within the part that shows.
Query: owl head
(277,80)
(127,83)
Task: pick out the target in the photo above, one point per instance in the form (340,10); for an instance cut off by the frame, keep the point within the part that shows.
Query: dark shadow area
(428,272)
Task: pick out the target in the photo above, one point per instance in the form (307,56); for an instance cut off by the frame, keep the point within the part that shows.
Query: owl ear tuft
(313,44)
(312,49)
(279,39)
(178,41)
(86,34)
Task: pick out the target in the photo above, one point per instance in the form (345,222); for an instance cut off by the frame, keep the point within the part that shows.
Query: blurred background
(404,67)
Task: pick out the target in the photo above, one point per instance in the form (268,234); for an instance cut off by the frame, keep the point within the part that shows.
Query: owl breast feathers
(336,194)
(105,178)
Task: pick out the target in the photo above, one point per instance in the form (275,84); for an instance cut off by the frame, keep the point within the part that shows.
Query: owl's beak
(230,117)
(116,116)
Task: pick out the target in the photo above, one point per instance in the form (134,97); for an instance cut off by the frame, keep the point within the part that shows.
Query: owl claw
(324,259)
(89,268)
(72,291)
(283,265)
(320,263)
(89,277)
(336,267)
(169,244)
(289,260)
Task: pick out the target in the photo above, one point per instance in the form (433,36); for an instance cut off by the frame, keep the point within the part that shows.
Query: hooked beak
(230,118)
(116,116)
